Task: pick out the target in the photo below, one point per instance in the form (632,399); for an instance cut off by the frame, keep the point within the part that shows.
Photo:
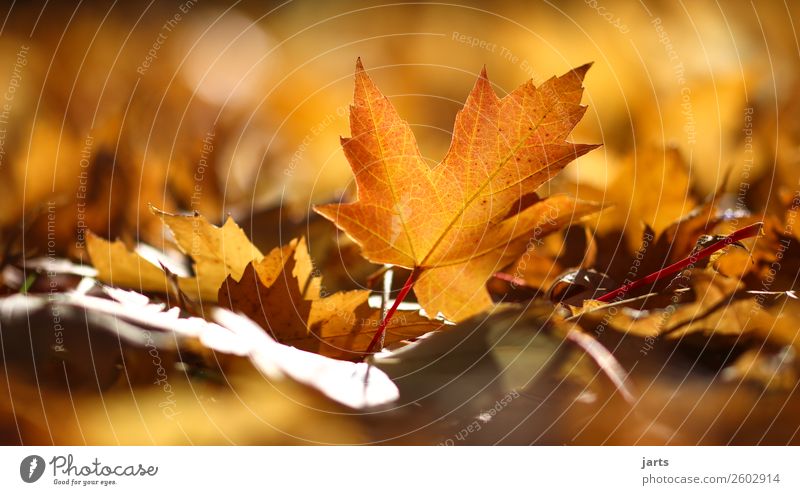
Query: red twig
(743,233)
(388,317)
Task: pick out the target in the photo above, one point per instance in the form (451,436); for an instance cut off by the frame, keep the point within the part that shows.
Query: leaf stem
(389,314)
(743,233)
(606,361)
(386,296)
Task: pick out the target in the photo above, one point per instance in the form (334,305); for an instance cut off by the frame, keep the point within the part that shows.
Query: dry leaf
(772,369)
(281,291)
(715,306)
(283,295)
(217,252)
(118,266)
(474,213)
(652,188)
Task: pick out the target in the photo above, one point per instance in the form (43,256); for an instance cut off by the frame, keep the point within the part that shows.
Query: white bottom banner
(402,470)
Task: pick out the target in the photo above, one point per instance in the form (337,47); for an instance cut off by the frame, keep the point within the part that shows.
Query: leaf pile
(532,322)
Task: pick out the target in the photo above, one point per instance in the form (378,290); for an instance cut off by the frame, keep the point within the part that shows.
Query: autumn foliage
(474,213)
(455,260)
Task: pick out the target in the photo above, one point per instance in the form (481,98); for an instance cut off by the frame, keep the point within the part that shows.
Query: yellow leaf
(217,252)
(119,266)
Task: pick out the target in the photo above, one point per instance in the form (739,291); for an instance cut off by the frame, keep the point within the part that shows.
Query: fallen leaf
(352,384)
(217,252)
(772,369)
(102,340)
(714,306)
(283,295)
(651,188)
(119,266)
(475,212)
(485,358)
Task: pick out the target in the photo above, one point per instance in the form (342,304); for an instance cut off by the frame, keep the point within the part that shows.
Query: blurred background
(237,107)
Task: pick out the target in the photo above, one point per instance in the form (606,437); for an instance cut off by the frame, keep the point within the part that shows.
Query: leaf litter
(246,329)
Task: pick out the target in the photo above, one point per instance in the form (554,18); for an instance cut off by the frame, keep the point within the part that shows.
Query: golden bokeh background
(238,107)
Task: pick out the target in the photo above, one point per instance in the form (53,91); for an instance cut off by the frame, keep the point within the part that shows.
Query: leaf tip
(581,71)
(364,87)
(324,211)
(482,85)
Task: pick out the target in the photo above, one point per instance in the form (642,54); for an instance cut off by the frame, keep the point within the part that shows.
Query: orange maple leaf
(475,212)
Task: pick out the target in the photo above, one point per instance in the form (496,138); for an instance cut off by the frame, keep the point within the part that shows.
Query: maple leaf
(282,293)
(474,213)
(117,265)
(217,252)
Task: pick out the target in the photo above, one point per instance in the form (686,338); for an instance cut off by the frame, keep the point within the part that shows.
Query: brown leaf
(774,370)
(282,294)
(651,188)
(715,306)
